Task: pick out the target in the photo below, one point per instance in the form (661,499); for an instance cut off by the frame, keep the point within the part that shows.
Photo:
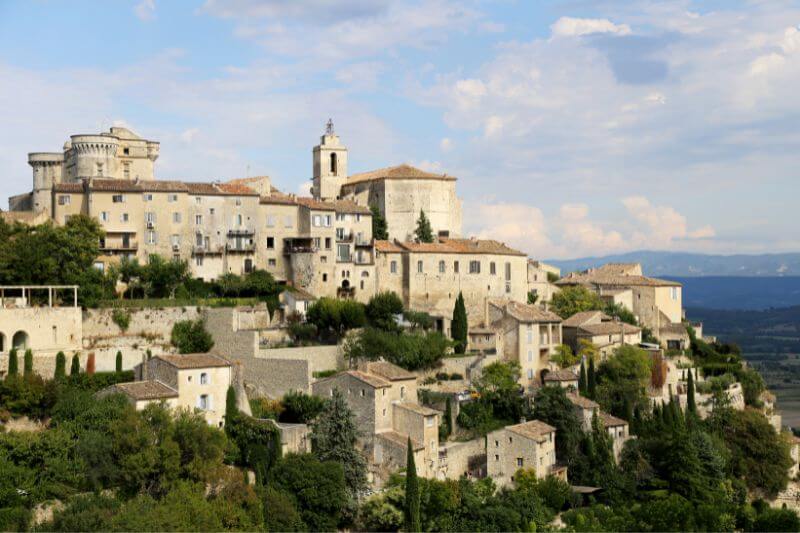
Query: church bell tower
(330,165)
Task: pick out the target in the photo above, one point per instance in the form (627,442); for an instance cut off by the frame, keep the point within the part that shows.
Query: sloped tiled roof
(417,408)
(199,188)
(68,187)
(388,247)
(615,274)
(609,420)
(389,371)
(578,319)
(581,401)
(449,246)
(371,380)
(527,312)
(561,374)
(403,171)
(312,203)
(146,390)
(535,429)
(399,440)
(608,328)
(301,294)
(348,206)
(198,360)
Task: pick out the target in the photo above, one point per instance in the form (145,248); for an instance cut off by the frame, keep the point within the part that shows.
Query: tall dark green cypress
(458,327)
(412,492)
(691,406)
(592,381)
(627,409)
(231,409)
(582,386)
(13,363)
(61,366)
(119,361)
(28,368)
(448,417)
(424,232)
(75,366)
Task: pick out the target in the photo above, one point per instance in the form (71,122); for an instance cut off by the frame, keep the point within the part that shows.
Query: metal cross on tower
(329,127)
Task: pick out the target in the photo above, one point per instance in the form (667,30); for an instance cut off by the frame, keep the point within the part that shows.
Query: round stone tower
(92,156)
(47,168)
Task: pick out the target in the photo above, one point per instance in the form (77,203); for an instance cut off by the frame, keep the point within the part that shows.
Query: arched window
(334,165)
(203,379)
(20,340)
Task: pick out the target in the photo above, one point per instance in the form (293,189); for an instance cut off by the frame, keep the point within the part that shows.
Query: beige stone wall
(146,322)
(42,329)
(462,459)
(360,397)
(191,388)
(320,358)
(402,200)
(669,301)
(275,223)
(504,448)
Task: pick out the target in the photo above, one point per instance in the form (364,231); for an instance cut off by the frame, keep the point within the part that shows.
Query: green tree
(575,299)
(424,232)
(591,381)
(300,408)
(191,336)
(28,363)
(13,363)
(553,407)
(533,297)
(626,374)
(447,421)
(459,325)
(231,408)
(564,357)
(691,406)
(280,512)
(498,385)
(334,317)
(61,366)
(411,351)
(75,366)
(412,491)
(380,230)
(160,277)
(583,386)
(382,309)
(333,438)
(119,361)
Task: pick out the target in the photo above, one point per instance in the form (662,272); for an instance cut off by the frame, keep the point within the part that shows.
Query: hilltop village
(358,327)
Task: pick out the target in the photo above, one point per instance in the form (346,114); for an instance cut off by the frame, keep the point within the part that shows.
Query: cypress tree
(231,409)
(691,406)
(61,366)
(592,381)
(119,361)
(627,409)
(412,492)
(75,366)
(149,354)
(459,325)
(582,386)
(13,363)
(380,229)
(448,418)
(28,368)
(424,232)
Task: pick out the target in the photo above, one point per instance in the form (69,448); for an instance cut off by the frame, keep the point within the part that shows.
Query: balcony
(207,250)
(362,242)
(241,232)
(115,247)
(347,237)
(243,248)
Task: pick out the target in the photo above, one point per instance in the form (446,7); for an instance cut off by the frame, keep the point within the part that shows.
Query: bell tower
(330,165)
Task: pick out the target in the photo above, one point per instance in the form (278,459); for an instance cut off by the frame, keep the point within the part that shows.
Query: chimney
(522,420)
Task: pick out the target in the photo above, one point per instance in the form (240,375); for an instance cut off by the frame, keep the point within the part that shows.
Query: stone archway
(20,340)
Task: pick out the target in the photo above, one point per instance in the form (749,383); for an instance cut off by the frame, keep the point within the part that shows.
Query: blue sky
(574,127)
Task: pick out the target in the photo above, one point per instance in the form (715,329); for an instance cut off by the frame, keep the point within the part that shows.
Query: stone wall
(458,459)
(273,378)
(228,341)
(154,324)
(320,358)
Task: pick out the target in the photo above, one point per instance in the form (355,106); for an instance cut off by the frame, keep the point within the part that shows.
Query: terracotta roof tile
(399,440)
(609,420)
(582,402)
(608,328)
(449,246)
(561,374)
(389,371)
(403,171)
(535,429)
(417,408)
(388,247)
(199,360)
(145,390)
(348,206)
(68,187)
(579,319)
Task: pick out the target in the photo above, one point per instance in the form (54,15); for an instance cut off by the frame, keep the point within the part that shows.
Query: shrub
(266,408)
(382,309)
(121,318)
(300,408)
(191,336)
(412,351)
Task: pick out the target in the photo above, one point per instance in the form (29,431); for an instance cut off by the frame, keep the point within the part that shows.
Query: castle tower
(47,168)
(330,166)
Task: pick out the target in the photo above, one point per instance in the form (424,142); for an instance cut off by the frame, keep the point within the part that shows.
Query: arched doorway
(2,342)
(248,266)
(20,340)
(346,284)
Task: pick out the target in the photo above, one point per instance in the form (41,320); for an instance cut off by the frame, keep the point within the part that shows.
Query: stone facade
(529,445)
(601,330)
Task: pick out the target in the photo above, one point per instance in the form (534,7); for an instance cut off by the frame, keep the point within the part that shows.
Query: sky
(574,127)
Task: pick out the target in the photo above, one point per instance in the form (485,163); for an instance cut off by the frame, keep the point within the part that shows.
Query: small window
(496,457)
(419,267)
(270,221)
(520,462)
(204,379)
(474,267)
(210,210)
(198,199)
(176,217)
(104,216)
(270,243)
(124,217)
(455,267)
(442,267)
(118,198)
(363,393)
(205,402)
(198,219)
(64,199)
(126,151)
(288,221)
(148,197)
(198,260)
(402,392)
(172,197)
(393,267)
(492,268)
(238,201)
(324,277)
(271,262)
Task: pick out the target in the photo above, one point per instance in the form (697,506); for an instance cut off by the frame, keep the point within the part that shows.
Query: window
(148,197)
(150,217)
(126,151)
(442,268)
(124,217)
(339,233)
(270,243)
(328,243)
(198,260)
(271,262)
(316,220)
(530,333)
(204,379)
(172,197)
(317,242)
(384,411)
(327,221)
(530,373)
(497,444)
(270,221)
(288,221)
(211,211)
(530,356)
(510,440)
(239,219)
(363,393)
(419,267)
(198,219)
(492,269)
(99,169)
(429,420)
(402,391)
(508,271)
(126,170)
(238,201)
(118,198)
(204,403)
(176,217)
(334,164)
(175,239)
(393,267)
(324,277)
(674,292)
(152,238)
(104,216)
(474,267)
(496,457)
(198,199)
(520,462)
(455,267)
(343,252)
(64,199)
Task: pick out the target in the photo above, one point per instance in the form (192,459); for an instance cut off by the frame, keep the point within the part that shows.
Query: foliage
(499,391)
(564,357)
(301,408)
(419,319)
(333,317)
(622,378)
(412,351)
(118,361)
(382,309)
(776,520)
(691,405)
(459,326)
(13,364)
(533,297)
(752,386)
(28,363)
(303,333)
(29,395)
(191,336)
(121,318)
(423,232)
(75,365)
(281,512)
(587,350)
(383,511)
(380,229)
(61,366)
(231,408)
(412,491)
(591,381)
(583,385)
(552,406)
(575,299)
(333,438)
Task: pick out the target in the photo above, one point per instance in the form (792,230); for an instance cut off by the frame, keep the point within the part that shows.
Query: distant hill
(734,292)
(684,264)
(772,331)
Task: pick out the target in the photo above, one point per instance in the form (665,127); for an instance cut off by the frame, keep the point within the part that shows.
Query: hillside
(687,264)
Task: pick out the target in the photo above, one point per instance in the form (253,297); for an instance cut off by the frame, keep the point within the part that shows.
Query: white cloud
(572,27)
(446,144)
(145,10)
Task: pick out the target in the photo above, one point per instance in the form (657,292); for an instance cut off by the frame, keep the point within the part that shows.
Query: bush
(334,317)
(303,333)
(382,309)
(190,336)
(300,408)
(266,408)
(121,318)
(411,351)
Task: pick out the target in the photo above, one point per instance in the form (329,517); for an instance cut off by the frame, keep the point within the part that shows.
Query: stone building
(656,303)
(529,445)
(192,381)
(599,329)
(384,400)
(540,285)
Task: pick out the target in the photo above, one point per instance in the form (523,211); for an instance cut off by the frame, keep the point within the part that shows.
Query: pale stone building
(191,381)
(587,410)
(601,330)
(529,445)
(540,285)
(384,400)
(561,377)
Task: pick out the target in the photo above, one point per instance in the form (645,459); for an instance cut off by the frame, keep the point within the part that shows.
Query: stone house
(539,275)
(191,381)
(561,377)
(296,301)
(599,329)
(529,335)
(585,408)
(529,445)
(384,399)
(617,428)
